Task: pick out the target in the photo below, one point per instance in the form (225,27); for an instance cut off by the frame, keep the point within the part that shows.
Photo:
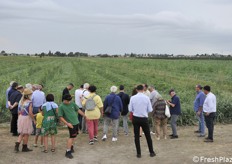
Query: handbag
(108,109)
(56,118)
(167,112)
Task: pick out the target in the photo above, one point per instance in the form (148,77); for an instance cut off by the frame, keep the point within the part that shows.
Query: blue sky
(116,26)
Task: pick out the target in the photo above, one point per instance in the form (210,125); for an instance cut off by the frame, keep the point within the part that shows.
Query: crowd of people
(34,113)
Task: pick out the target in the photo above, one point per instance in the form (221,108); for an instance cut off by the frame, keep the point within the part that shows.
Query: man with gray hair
(114,102)
(153,98)
(85,94)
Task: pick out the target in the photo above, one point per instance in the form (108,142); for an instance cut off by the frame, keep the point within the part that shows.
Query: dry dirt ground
(179,151)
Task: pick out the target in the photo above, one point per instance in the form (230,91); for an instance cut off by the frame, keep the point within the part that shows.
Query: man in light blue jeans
(198,108)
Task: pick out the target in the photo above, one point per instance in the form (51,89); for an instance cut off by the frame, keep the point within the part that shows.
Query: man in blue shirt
(140,106)
(175,111)
(198,108)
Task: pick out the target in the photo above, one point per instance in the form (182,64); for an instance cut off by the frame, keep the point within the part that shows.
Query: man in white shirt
(209,109)
(85,94)
(78,97)
(140,106)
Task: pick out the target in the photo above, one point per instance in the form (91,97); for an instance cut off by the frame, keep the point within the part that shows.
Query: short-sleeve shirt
(69,112)
(15,97)
(177,109)
(94,114)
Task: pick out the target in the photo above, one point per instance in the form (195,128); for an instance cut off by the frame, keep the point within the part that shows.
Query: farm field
(182,75)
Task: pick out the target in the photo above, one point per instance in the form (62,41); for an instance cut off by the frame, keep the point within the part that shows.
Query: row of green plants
(182,75)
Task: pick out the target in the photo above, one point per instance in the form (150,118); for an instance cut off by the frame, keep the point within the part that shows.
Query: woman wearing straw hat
(24,121)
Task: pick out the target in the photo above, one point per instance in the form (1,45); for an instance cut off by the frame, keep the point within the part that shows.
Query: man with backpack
(93,109)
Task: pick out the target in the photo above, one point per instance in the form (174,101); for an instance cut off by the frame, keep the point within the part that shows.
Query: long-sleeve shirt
(7,91)
(38,98)
(153,97)
(117,106)
(210,103)
(140,105)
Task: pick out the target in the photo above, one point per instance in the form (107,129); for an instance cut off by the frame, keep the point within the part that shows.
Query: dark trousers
(80,120)
(14,121)
(142,122)
(209,120)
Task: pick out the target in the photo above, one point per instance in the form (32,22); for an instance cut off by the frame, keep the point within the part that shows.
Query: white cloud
(170,29)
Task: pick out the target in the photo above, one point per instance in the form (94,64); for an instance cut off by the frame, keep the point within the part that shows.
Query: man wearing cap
(140,106)
(67,89)
(175,111)
(7,91)
(198,109)
(13,102)
(209,109)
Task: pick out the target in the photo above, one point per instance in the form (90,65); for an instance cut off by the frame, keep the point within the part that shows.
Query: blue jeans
(201,120)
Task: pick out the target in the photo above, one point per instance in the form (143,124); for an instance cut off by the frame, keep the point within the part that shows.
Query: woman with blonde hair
(24,121)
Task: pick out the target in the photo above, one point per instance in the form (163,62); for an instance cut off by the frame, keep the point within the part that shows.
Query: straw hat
(27,92)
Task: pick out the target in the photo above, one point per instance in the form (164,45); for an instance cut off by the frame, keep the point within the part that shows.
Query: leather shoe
(138,155)
(152,154)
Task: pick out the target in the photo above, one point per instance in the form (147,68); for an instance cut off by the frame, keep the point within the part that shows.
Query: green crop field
(182,75)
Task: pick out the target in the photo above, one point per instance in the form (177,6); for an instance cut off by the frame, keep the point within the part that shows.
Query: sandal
(53,150)
(45,151)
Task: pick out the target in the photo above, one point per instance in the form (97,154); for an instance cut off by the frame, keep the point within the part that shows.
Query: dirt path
(178,151)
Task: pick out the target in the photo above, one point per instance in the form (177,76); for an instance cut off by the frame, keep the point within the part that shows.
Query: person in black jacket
(67,89)
(125,102)
(13,102)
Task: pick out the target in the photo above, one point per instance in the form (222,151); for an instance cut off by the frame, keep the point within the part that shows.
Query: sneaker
(197,131)
(35,145)
(201,135)
(68,154)
(95,138)
(126,134)
(104,137)
(152,132)
(114,139)
(91,142)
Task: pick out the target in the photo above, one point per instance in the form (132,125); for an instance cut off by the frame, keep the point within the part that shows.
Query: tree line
(127,55)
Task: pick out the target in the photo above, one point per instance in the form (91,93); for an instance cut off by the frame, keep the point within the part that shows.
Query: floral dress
(50,119)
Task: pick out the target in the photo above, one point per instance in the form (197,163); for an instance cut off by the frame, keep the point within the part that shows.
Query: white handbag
(167,112)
